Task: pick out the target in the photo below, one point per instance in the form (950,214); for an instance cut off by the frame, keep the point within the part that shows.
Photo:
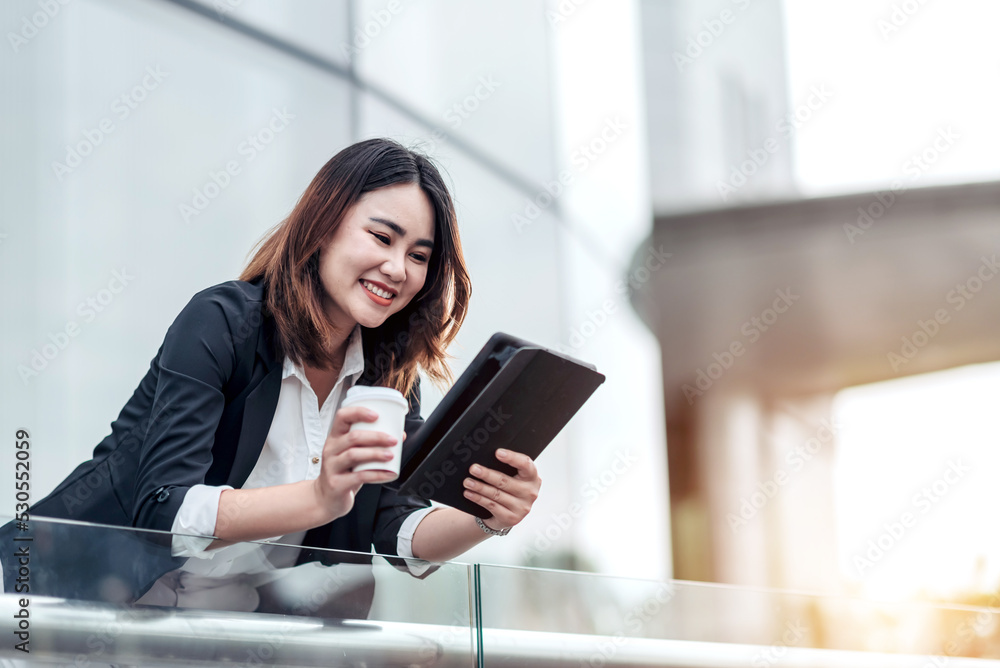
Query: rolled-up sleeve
(404,543)
(194,525)
(393,507)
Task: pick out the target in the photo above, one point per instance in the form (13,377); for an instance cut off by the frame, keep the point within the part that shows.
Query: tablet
(515,395)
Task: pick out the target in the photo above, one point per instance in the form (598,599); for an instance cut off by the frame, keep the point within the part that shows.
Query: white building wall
(532,91)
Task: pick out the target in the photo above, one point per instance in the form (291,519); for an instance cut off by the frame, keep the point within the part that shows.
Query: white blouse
(226,578)
(292,452)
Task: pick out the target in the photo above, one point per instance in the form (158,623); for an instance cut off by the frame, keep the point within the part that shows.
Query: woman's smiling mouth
(378,295)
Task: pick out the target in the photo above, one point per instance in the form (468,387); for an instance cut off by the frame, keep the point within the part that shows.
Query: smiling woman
(370,247)
(236,432)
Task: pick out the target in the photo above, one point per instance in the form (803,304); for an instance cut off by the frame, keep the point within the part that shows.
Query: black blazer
(200,416)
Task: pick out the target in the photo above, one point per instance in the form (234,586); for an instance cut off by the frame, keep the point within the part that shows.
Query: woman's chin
(372,320)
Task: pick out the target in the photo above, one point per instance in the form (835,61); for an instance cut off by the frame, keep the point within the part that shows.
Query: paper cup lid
(363,392)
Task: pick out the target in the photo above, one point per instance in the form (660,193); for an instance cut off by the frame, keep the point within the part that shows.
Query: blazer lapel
(258,410)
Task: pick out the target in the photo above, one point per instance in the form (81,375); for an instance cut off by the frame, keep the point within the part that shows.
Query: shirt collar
(354,360)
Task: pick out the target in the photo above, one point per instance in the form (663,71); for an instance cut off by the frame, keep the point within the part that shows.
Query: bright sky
(927,446)
(894,90)
(898,79)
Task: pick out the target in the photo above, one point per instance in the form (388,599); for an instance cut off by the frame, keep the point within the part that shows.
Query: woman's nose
(395,268)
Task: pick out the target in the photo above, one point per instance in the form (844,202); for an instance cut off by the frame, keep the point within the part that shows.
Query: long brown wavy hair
(287,259)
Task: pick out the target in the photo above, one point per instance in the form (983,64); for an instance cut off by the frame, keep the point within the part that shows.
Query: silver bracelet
(492,532)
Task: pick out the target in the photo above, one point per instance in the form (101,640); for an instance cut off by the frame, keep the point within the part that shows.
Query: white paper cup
(391,408)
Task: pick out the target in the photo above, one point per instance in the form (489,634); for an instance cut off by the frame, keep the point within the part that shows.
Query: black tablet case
(514,395)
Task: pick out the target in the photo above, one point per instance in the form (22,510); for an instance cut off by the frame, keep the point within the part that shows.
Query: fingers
(526,470)
(374,477)
(489,482)
(345,417)
(523,463)
(338,478)
(344,449)
(353,480)
(509,499)
(492,498)
(336,494)
(351,457)
(336,444)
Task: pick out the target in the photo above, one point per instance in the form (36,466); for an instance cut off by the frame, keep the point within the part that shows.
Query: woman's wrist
(491,530)
(264,512)
(320,506)
(493,524)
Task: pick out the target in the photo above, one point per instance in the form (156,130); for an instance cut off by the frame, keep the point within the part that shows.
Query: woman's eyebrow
(395,227)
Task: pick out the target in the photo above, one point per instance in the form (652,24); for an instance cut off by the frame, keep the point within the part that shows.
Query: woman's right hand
(336,485)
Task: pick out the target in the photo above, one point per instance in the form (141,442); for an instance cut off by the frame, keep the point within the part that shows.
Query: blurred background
(771,225)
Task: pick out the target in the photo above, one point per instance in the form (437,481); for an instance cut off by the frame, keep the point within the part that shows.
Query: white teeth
(376,290)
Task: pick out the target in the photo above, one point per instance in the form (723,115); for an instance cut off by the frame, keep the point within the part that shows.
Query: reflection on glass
(116,595)
(615,619)
(90,595)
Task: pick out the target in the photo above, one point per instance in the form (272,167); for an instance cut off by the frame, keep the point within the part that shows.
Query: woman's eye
(384,238)
(419,257)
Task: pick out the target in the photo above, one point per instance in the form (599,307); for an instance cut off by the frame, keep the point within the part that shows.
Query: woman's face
(376,260)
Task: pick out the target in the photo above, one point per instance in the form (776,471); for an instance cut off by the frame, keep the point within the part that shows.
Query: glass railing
(583,619)
(89,595)
(109,595)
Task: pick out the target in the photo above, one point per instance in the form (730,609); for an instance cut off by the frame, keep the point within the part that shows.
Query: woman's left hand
(509,499)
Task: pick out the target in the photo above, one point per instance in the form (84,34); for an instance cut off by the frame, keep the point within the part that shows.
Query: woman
(234,432)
